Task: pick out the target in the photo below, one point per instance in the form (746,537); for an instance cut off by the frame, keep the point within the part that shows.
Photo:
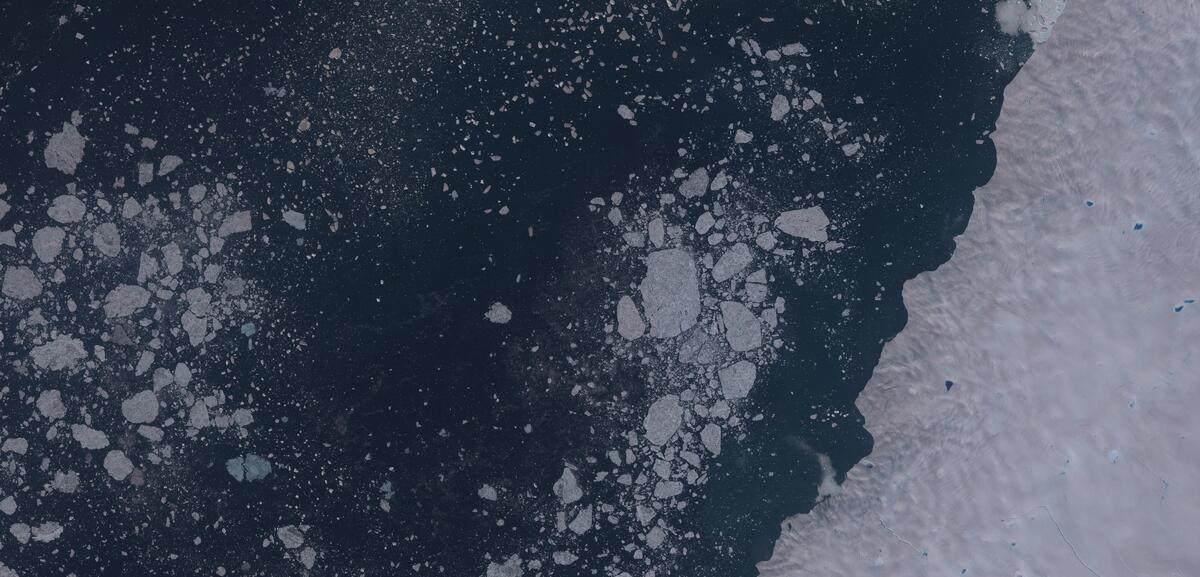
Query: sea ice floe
(808,223)
(63,352)
(47,243)
(89,438)
(107,239)
(732,262)
(743,330)
(248,468)
(670,292)
(141,408)
(629,320)
(124,300)
(50,405)
(566,488)
(710,436)
(64,150)
(696,183)
(118,465)
(662,419)
(498,313)
(294,219)
(66,209)
(21,283)
(737,379)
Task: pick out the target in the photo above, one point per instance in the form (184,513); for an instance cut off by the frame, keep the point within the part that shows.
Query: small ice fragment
(625,112)
(742,137)
(488,492)
(248,468)
(63,352)
(50,405)
(582,521)
(107,239)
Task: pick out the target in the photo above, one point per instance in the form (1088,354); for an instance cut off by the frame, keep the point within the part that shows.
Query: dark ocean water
(374,366)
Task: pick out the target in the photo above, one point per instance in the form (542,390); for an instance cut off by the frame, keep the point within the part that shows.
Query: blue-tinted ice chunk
(248,468)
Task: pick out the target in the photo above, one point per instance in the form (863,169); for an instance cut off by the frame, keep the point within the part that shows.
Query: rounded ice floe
(140,408)
(566,488)
(737,379)
(107,239)
(118,465)
(498,313)
(510,568)
(670,292)
(743,330)
(124,300)
(64,150)
(47,243)
(21,283)
(732,262)
(66,209)
(488,492)
(663,418)
(50,405)
(808,223)
(629,320)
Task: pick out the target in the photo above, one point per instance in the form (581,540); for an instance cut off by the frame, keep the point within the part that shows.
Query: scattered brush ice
(248,468)
(66,209)
(140,408)
(118,465)
(732,262)
(63,352)
(566,488)
(737,379)
(808,223)
(629,320)
(743,330)
(696,183)
(670,292)
(21,283)
(64,151)
(88,437)
(295,219)
(498,313)
(663,418)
